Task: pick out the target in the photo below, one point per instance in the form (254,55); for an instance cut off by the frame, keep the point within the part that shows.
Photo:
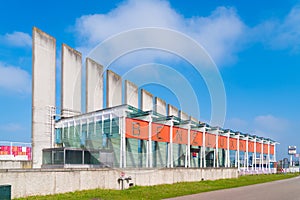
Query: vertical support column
(203,148)
(201,155)
(254,154)
(262,155)
(269,167)
(121,143)
(274,152)
(171,145)
(150,156)
(189,146)
(247,153)
(228,150)
(217,148)
(146,105)
(43,92)
(124,138)
(71,82)
(238,152)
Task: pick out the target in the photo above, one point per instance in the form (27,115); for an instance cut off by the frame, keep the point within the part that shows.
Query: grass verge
(164,191)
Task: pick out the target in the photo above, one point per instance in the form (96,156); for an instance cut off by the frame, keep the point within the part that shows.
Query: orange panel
(242,146)
(210,140)
(258,147)
(265,148)
(196,138)
(250,146)
(272,149)
(137,129)
(160,132)
(233,144)
(222,140)
(180,135)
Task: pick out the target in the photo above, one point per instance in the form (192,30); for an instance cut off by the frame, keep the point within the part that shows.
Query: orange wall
(138,129)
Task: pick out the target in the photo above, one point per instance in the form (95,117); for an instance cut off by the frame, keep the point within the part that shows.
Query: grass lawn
(166,190)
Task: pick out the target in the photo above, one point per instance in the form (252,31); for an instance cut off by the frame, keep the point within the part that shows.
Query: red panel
(160,132)
(222,140)
(250,146)
(272,149)
(196,138)
(265,148)
(180,135)
(233,144)
(242,146)
(137,129)
(258,147)
(210,140)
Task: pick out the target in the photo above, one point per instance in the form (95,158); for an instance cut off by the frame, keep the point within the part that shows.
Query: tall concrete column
(113,89)
(43,93)
(71,82)
(94,85)
(131,94)
(160,106)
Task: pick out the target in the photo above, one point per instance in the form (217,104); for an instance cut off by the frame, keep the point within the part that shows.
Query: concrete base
(8,164)
(53,181)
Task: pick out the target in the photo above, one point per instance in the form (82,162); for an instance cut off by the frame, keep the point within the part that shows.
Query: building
(124,134)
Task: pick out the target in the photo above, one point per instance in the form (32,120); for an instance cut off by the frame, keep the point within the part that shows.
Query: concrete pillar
(172,110)
(131,94)
(94,86)
(113,89)
(160,106)
(43,93)
(146,100)
(71,82)
(193,119)
(183,115)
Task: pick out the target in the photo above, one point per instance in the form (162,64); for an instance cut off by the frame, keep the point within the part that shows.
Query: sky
(255,46)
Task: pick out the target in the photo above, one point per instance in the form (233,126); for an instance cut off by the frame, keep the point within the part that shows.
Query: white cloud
(220,33)
(271,123)
(14,79)
(281,33)
(16,39)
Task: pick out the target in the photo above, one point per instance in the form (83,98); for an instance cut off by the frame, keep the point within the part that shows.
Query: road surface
(278,190)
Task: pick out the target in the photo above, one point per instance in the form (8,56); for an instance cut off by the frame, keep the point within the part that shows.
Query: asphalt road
(288,189)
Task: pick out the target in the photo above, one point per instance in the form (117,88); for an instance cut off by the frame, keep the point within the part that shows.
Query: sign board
(292,150)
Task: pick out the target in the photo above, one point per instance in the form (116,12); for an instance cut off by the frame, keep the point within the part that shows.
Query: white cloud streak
(219,33)
(281,34)
(14,79)
(16,39)
(271,123)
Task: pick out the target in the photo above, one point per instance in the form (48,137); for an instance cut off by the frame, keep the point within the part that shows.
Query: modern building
(141,131)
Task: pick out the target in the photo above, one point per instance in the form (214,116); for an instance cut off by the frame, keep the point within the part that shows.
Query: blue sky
(256,46)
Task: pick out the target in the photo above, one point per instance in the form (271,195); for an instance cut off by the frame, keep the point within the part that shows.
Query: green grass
(166,190)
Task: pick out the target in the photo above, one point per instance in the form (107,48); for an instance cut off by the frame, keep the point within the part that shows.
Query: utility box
(5,192)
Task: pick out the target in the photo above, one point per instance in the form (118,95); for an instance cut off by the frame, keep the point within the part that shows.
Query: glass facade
(127,137)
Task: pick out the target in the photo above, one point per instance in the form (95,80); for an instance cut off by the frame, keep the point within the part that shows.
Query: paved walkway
(278,190)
